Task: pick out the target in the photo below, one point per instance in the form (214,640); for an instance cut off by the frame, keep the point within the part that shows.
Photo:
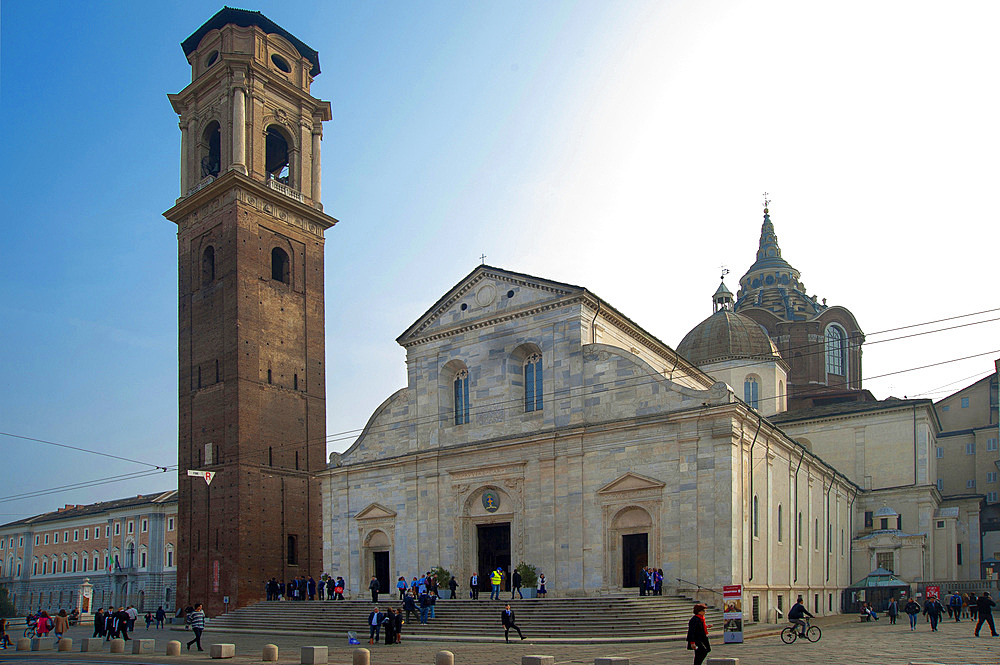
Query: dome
(724,336)
(885,511)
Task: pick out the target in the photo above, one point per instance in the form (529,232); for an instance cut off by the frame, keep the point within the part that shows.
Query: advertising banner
(732,614)
(933,592)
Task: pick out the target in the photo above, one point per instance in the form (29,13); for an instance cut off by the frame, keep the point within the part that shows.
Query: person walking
(374,625)
(133,614)
(389,624)
(474,586)
(933,609)
(43,624)
(341,585)
(311,586)
(196,619)
(892,610)
(401,587)
(425,606)
(397,619)
(984,609)
(956,606)
(60,625)
(515,585)
(99,623)
(697,635)
(509,621)
(161,616)
(912,609)
(410,605)
(123,623)
(453,585)
(4,638)
(373,586)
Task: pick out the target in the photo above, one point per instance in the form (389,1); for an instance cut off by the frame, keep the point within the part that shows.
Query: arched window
(780,525)
(280,265)
(462,397)
(208,266)
(276,156)
(836,351)
(142,556)
(756,517)
(533,383)
(170,556)
(34,566)
(211,150)
(751,391)
(130,555)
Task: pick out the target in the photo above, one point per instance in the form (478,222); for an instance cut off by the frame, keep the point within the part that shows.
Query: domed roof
(885,511)
(725,336)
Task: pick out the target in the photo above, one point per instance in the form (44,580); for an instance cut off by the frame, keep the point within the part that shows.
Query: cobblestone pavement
(844,642)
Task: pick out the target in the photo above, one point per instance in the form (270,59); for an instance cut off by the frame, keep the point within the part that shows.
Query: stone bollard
(611,660)
(143,646)
(315,655)
(173,648)
(270,653)
(361,657)
(118,645)
(23,644)
(91,644)
(444,658)
(222,650)
(43,644)
(538,660)
(66,644)
(723,661)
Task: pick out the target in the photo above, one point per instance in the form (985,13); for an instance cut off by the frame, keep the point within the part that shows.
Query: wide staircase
(599,619)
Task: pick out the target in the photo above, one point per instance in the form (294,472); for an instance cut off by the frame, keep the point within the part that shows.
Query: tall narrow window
(751,392)
(533,383)
(208,265)
(756,518)
(462,397)
(279,265)
(836,351)
(780,524)
(798,530)
(293,557)
(276,156)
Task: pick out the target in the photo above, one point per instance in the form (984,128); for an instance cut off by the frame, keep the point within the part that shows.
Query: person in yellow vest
(496,579)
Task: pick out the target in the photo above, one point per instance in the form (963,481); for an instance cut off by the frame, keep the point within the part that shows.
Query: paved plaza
(844,642)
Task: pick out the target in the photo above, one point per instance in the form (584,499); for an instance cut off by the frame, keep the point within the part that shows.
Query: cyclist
(795,616)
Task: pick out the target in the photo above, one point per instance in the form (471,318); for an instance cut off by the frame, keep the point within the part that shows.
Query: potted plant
(529,579)
(443,577)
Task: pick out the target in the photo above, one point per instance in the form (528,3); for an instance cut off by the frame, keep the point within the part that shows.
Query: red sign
(215,576)
(732,590)
(933,592)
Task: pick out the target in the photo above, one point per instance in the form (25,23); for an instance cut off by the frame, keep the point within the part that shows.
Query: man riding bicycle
(795,616)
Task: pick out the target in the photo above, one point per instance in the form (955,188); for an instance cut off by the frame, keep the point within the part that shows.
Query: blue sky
(620,146)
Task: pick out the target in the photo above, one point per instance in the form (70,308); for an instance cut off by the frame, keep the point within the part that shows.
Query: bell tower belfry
(250,237)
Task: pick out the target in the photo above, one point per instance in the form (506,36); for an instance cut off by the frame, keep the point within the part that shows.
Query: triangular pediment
(487,293)
(631,482)
(375,511)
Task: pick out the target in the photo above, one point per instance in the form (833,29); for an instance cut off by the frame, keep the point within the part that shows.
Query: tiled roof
(69,512)
(846,408)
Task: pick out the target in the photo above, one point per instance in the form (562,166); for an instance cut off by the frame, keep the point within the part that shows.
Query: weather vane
(767,201)
(725,271)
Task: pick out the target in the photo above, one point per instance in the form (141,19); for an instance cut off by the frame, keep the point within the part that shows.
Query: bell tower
(252,391)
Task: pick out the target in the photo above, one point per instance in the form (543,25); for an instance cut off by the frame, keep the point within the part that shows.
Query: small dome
(726,335)
(885,511)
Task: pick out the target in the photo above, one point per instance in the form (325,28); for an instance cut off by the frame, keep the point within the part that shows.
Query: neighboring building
(540,424)
(125,547)
(252,365)
(968,455)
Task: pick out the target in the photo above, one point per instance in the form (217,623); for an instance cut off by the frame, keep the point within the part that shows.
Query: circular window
(281,63)
(212,57)
(465,306)
(510,294)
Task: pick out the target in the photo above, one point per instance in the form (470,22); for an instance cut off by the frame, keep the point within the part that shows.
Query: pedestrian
(892,610)
(508,620)
(389,624)
(956,606)
(474,586)
(984,609)
(110,624)
(541,586)
(970,602)
(933,609)
(320,587)
(425,606)
(401,587)
(4,638)
(339,589)
(658,582)
(99,623)
(311,586)
(643,582)
(397,619)
(697,635)
(43,624)
(410,605)
(60,625)
(453,585)
(374,625)
(496,579)
(161,615)
(912,609)
(515,584)
(434,599)
(148,616)
(196,619)
(122,621)
(373,586)
(133,614)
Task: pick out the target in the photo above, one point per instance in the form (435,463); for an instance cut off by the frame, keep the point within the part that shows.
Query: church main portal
(635,556)
(494,552)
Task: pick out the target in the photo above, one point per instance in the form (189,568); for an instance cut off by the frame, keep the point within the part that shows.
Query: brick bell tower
(252,388)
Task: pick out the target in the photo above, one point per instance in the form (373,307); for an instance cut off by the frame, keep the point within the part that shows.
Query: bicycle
(30,631)
(791,633)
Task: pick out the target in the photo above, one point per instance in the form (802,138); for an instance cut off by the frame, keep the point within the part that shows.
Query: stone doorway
(494,551)
(635,556)
(381,567)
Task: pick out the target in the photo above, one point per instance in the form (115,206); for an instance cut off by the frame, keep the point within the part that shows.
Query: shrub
(529,574)
(442,575)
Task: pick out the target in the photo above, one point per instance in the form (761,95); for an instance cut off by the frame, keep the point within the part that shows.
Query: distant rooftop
(72,511)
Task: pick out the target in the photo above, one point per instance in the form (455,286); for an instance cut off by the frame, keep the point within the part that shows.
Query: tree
(6,606)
